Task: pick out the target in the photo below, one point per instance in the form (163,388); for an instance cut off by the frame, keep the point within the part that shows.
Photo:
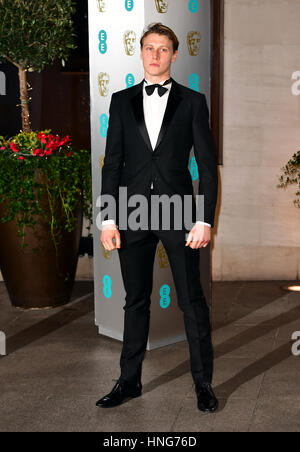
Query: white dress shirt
(154,110)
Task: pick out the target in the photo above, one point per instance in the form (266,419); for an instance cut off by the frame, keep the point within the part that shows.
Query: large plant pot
(38,279)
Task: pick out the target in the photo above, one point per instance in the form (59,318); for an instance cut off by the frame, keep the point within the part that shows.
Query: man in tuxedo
(152,128)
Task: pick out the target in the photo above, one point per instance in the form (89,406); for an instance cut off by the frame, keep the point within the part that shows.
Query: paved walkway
(58,366)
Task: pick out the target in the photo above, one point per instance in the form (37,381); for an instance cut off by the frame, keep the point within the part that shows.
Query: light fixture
(292,288)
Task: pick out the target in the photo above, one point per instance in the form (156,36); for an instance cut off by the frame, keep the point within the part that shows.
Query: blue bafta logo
(129,4)
(193,6)
(194,169)
(107,286)
(129,80)
(194,82)
(102,41)
(103,125)
(164,293)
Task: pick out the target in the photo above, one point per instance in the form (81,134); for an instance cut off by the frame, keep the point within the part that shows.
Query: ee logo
(102,41)
(296,345)
(193,6)
(194,169)
(129,80)
(296,85)
(107,286)
(103,125)
(129,4)
(164,293)
(194,82)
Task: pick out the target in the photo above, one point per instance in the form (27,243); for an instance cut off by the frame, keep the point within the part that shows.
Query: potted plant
(291,176)
(45,183)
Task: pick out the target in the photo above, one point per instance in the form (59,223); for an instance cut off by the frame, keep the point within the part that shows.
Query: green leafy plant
(33,164)
(291,175)
(34,33)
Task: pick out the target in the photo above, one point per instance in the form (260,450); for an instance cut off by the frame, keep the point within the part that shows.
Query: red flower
(2,147)
(13,147)
(38,152)
(69,154)
(21,158)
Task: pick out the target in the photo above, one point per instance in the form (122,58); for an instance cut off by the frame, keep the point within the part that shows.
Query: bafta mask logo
(106,253)
(103,82)
(162,257)
(129,42)
(101,161)
(101,6)
(161,6)
(193,41)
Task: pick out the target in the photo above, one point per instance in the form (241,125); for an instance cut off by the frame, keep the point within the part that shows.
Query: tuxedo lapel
(138,110)
(172,105)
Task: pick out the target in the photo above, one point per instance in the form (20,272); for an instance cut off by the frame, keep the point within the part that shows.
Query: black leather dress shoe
(121,391)
(207,401)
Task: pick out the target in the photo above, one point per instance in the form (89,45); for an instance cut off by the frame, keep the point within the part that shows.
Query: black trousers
(137,254)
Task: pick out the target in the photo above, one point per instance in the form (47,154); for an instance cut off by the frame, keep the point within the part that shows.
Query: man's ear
(174,57)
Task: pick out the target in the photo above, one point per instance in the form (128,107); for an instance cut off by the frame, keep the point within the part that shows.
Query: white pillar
(115,64)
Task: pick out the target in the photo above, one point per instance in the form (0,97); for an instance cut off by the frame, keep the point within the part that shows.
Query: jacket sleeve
(206,160)
(114,154)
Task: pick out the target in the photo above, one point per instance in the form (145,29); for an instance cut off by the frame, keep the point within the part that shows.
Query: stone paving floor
(58,366)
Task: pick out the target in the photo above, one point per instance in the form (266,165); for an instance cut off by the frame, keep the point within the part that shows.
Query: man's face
(157,54)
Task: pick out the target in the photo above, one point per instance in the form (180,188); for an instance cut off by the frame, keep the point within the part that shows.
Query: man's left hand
(199,236)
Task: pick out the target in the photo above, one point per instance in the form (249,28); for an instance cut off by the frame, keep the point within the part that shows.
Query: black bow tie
(160,88)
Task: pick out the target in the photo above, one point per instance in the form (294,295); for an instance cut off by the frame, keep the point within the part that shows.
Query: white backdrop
(115,28)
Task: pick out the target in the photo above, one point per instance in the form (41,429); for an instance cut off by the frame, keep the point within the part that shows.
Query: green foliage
(34,33)
(291,175)
(36,166)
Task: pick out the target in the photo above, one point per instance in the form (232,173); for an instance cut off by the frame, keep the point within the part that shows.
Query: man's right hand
(110,232)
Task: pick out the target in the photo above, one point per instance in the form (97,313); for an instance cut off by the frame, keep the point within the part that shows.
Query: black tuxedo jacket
(131,162)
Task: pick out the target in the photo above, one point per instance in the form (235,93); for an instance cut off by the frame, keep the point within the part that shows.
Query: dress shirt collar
(147,82)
